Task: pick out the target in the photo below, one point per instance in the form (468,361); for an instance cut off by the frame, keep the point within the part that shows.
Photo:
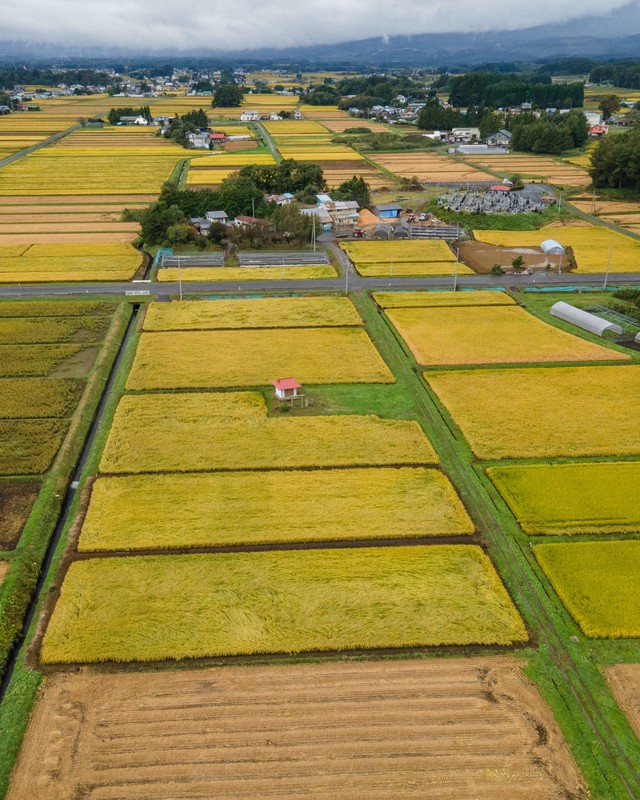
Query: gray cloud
(224,25)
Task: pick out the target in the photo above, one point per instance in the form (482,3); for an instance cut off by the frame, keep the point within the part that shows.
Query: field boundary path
(22,153)
(610,759)
(267,137)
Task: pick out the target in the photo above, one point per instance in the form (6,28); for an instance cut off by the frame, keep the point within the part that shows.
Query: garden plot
(111,609)
(379,730)
(599,584)
(212,359)
(556,499)
(490,335)
(570,411)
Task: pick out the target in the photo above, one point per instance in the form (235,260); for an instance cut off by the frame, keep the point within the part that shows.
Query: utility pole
(606,275)
(391,271)
(179,278)
(560,264)
(455,273)
(313,232)
(346,277)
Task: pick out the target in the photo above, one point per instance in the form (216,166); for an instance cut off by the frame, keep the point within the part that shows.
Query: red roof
(499,188)
(287,383)
(216,136)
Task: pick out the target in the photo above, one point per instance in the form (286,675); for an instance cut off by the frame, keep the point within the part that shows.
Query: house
(249,116)
(202,225)
(242,220)
(297,115)
(217,138)
(287,389)
(217,216)
(274,116)
(198,141)
(593,118)
(387,210)
(325,219)
(465,134)
(499,187)
(279,199)
(526,106)
(5,110)
(501,138)
(599,131)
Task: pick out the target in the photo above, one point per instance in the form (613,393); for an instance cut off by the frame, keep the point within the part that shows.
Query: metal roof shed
(552,248)
(583,319)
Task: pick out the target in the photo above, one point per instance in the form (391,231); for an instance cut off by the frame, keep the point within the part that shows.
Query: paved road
(274,152)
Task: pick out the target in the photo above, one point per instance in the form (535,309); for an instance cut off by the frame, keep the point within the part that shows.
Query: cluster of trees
(615,162)
(115,114)
(624,73)
(10,76)
(551,133)
(227,95)
(495,90)
(191,122)
(287,176)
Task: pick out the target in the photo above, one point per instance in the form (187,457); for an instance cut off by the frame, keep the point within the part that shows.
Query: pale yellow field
(410,250)
(202,432)
(547,168)
(148,511)
(195,274)
(294,127)
(590,245)
(69,262)
(429,167)
(267,312)
(226,358)
(441,299)
(490,335)
(544,412)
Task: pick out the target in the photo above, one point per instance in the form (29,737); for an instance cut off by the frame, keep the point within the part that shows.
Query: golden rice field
(295,127)
(490,335)
(267,312)
(195,274)
(409,257)
(147,512)
(55,308)
(334,152)
(533,413)
(46,360)
(278,602)
(442,299)
(213,170)
(28,446)
(31,330)
(32,398)
(590,245)
(557,499)
(599,584)
(204,359)
(69,262)
(429,167)
(199,432)
(545,168)
(336,172)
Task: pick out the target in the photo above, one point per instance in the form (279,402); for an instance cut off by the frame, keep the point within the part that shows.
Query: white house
(249,116)
(287,389)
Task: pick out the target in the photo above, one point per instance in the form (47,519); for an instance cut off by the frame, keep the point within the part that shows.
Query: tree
(291,224)
(354,189)
(517,262)
(228,95)
(157,220)
(609,106)
(496,269)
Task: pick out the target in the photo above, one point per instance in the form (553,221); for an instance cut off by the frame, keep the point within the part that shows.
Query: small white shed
(552,248)
(287,388)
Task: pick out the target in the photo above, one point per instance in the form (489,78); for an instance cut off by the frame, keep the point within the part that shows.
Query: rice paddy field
(590,245)
(147,512)
(212,170)
(68,261)
(490,335)
(268,312)
(598,582)
(403,258)
(164,433)
(278,602)
(295,272)
(442,299)
(546,168)
(183,360)
(429,168)
(484,405)
(337,120)
(562,499)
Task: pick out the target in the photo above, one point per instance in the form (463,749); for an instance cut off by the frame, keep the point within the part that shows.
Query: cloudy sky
(238,24)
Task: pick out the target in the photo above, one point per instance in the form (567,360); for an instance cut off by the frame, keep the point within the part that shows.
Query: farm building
(552,248)
(583,319)
(249,116)
(500,138)
(217,216)
(387,210)
(287,388)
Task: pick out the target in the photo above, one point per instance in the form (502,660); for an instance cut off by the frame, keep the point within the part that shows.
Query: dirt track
(443,729)
(624,680)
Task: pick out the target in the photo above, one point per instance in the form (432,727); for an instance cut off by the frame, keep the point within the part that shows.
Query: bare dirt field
(3,569)
(624,680)
(443,729)
(481,257)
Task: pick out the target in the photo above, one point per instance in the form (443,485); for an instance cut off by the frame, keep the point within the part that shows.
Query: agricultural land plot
(482,403)
(544,168)
(430,168)
(269,312)
(338,121)
(30,330)
(164,433)
(599,584)
(624,680)
(214,169)
(590,245)
(336,172)
(28,446)
(490,335)
(279,602)
(481,257)
(69,261)
(146,512)
(558,499)
(603,206)
(46,360)
(417,257)
(32,398)
(223,358)
(295,272)
(16,501)
(451,729)
(4,566)
(442,299)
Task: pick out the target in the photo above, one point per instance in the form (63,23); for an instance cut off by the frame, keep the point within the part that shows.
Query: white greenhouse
(552,248)
(583,319)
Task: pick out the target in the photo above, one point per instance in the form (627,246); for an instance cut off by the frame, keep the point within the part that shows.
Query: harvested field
(442,299)
(123,200)
(449,729)
(29,398)
(16,501)
(27,446)
(148,511)
(603,205)
(164,433)
(490,335)
(482,403)
(544,167)
(557,499)
(268,312)
(429,167)
(624,680)
(182,360)
(599,584)
(481,257)
(46,360)
(110,609)
(32,330)
(195,274)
